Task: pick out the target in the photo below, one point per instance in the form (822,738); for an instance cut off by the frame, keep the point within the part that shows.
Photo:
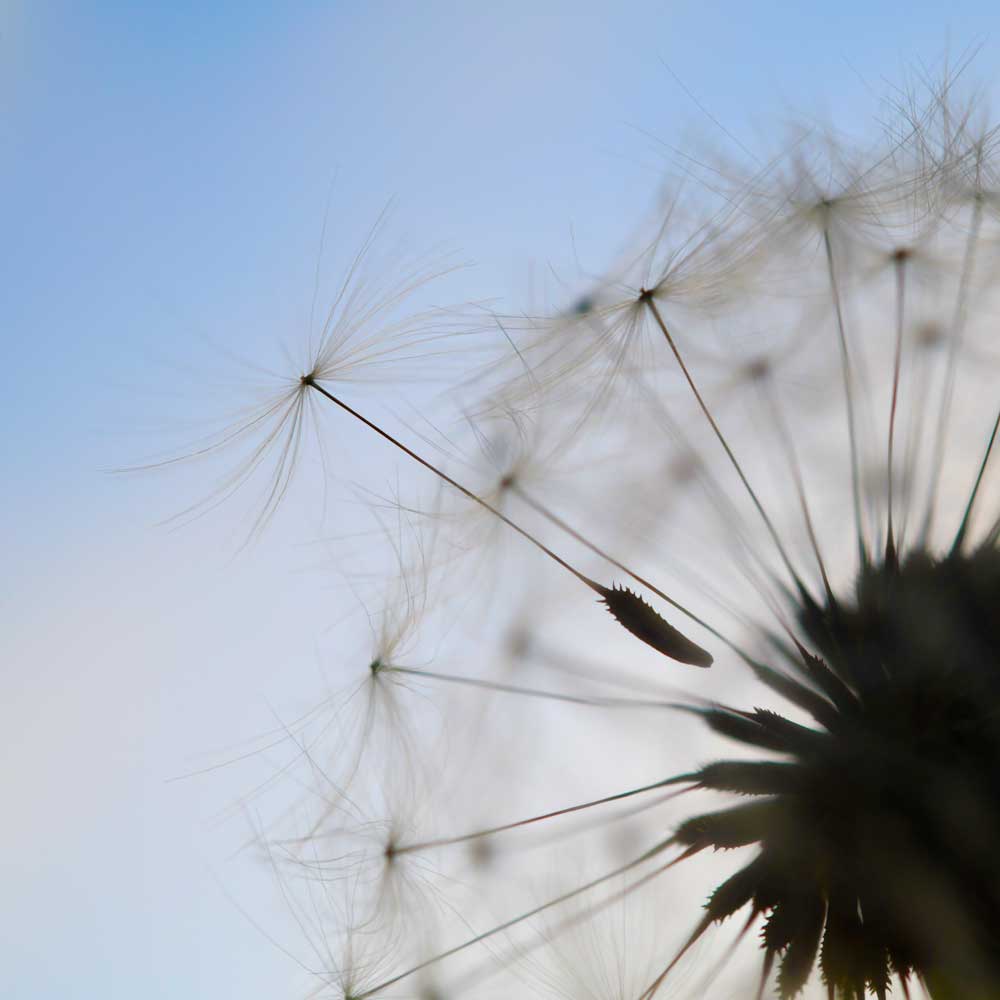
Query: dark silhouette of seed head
(876,831)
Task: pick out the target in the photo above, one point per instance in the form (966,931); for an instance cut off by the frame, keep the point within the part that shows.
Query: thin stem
(308,380)
(719,967)
(478,834)
(551,933)
(915,429)
(725,508)
(845,367)
(948,388)
(591,701)
(788,445)
(703,926)
(514,921)
(963,527)
(647,298)
(899,258)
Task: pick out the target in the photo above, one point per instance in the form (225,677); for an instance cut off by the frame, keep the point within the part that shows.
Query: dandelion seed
(365,336)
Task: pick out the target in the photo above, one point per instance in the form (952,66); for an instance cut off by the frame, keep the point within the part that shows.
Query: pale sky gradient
(164,169)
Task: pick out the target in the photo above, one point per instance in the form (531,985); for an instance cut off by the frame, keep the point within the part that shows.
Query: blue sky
(165,169)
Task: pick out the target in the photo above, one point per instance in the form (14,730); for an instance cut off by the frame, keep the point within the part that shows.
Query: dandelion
(774,425)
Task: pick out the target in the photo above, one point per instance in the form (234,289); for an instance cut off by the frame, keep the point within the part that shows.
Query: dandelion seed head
(775,413)
(888,782)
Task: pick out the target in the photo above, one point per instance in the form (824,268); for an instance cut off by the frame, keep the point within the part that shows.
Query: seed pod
(634,614)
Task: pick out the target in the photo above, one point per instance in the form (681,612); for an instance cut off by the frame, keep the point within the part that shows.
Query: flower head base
(877,829)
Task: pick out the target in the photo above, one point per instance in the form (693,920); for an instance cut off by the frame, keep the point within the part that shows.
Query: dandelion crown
(763,443)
